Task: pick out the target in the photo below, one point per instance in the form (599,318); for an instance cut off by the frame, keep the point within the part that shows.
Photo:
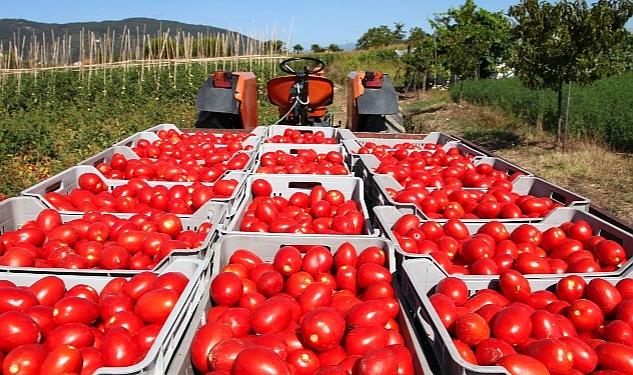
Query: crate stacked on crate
(542,288)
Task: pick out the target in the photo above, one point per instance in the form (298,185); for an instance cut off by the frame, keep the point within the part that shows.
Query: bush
(601,111)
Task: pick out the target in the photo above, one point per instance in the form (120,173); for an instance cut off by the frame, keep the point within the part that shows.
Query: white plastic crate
(523,185)
(14,212)
(420,277)
(292,149)
(66,181)
(160,354)
(328,131)
(266,247)
(386,217)
(132,140)
(258,131)
(435,138)
(286,185)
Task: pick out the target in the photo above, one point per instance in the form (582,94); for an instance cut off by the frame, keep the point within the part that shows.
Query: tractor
(228,100)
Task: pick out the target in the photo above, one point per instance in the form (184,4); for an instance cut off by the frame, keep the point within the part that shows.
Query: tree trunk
(461,91)
(567,115)
(540,115)
(559,114)
(424,76)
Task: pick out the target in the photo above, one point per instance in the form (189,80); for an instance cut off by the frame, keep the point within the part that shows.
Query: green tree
(274,46)
(334,48)
(566,43)
(297,48)
(381,36)
(316,48)
(472,39)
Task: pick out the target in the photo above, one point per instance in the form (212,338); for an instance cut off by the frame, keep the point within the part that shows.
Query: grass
(601,111)
(587,167)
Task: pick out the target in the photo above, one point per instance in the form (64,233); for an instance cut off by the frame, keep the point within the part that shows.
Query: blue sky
(305,22)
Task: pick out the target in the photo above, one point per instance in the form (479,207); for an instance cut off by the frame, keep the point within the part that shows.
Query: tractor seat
(320,91)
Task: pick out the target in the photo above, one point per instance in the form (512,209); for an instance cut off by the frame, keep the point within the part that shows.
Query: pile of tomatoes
(97,240)
(197,146)
(173,136)
(170,169)
(577,328)
(498,202)
(305,162)
(570,248)
(319,212)
(317,314)
(432,154)
(47,329)
(137,196)
(457,173)
(295,136)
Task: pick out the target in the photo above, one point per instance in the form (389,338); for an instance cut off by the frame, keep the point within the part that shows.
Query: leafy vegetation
(54,120)
(600,111)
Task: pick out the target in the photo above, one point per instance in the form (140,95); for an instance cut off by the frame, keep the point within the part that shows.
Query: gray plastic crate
(524,185)
(291,149)
(14,212)
(286,185)
(105,156)
(435,138)
(387,216)
(328,131)
(160,354)
(420,277)
(132,140)
(266,247)
(66,181)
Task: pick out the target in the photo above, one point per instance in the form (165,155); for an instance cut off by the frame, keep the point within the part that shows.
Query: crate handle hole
(558,197)
(53,187)
(303,185)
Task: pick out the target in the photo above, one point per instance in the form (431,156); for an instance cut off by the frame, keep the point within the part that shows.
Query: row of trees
(315,48)
(547,45)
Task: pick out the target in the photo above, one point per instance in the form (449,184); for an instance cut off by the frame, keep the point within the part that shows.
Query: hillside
(145,26)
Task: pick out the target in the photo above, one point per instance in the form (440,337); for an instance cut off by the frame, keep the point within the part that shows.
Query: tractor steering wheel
(316,67)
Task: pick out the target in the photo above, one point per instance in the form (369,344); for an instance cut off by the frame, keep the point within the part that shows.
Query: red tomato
(259,361)
(223,355)
(571,288)
(585,358)
(512,325)
(74,334)
(261,188)
(48,290)
(359,340)
(514,286)
(17,329)
(585,315)
(304,361)
(272,316)
(367,313)
(64,359)
(519,364)
(288,260)
(554,354)
(377,361)
(471,328)
(317,260)
(25,359)
(613,356)
(405,223)
(156,305)
(75,310)
(119,348)
(226,289)
(604,294)
(208,336)
(489,351)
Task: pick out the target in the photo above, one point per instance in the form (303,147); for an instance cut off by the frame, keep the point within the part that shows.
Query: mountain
(147,26)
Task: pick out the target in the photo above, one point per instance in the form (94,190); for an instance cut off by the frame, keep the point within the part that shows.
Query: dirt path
(605,177)
(339,105)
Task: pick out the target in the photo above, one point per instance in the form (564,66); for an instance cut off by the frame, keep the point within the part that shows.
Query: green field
(52,120)
(601,112)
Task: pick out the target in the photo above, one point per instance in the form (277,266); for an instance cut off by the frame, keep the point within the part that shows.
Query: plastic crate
(105,156)
(524,185)
(152,137)
(387,216)
(266,247)
(286,185)
(419,278)
(328,131)
(14,212)
(435,138)
(292,149)
(66,181)
(160,354)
